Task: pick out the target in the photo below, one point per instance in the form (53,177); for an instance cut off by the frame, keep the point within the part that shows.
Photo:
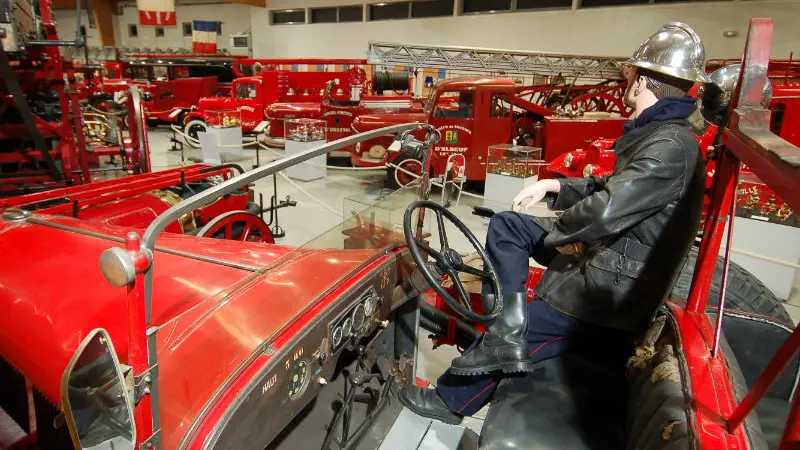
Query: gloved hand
(533,194)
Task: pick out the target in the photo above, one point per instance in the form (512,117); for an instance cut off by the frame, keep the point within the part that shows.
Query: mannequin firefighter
(611,256)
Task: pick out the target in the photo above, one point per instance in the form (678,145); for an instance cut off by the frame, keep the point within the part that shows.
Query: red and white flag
(204,36)
(156,12)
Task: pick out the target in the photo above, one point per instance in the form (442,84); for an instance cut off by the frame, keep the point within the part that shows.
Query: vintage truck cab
(474,113)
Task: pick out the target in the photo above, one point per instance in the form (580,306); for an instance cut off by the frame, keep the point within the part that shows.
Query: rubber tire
(186,128)
(745,292)
(391,179)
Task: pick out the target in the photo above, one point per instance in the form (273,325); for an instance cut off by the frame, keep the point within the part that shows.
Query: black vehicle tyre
(745,292)
(395,178)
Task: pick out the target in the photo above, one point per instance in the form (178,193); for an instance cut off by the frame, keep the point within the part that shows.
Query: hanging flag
(156,12)
(204,36)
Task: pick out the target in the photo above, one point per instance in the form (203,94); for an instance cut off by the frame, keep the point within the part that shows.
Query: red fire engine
(172,82)
(194,343)
(253,95)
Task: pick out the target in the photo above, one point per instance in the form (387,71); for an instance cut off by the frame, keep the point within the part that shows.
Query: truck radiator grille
(48,436)
(13,395)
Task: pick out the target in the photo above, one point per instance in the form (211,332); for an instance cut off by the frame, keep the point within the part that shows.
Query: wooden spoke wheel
(600,102)
(238,226)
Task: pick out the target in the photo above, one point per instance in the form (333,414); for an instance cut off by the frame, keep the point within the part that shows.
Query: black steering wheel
(448,261)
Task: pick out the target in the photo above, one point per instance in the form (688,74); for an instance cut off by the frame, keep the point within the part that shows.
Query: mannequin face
(637,96)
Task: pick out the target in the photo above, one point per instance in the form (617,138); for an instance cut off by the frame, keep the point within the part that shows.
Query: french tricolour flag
(156,12)
(204,36)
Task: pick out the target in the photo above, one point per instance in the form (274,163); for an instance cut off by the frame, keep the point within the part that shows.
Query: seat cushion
(565,403)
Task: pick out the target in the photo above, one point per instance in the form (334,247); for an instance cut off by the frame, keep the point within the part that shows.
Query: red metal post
(726,265)
(137,334)
(762,385)
(723,193)
(791,433)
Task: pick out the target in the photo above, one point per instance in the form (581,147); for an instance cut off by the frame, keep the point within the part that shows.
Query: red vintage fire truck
(459,107)
(183,342)
(253,95)
(172,83)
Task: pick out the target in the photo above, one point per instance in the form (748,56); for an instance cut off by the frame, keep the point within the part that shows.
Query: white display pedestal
(229,142)
(500,190)
(313,169)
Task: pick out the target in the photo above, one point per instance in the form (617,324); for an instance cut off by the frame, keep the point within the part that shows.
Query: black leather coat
(637,225)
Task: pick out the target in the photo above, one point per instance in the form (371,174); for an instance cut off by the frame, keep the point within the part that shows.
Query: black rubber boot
(427,403)
(504,347)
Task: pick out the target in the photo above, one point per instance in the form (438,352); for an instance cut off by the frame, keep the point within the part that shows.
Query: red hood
(293,110)
(369,122)
(210,317)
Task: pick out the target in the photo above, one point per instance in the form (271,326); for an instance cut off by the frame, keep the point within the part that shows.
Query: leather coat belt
(632,249)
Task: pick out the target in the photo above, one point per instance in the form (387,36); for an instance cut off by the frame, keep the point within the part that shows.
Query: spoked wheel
(447,261)
(238,226)
(191,130)
(400,178)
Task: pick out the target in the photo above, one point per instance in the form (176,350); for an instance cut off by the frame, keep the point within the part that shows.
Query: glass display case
(224,118)
(509,169)
(224,137)
(305,130)
(517,161)
(301,135)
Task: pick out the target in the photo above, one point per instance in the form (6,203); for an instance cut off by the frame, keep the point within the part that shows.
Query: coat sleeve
(574,190)
(645,185)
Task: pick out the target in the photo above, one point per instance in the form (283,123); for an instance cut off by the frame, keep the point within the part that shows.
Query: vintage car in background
(178,341)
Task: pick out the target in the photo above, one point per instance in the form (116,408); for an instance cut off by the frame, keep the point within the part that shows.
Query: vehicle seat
(565,403)
(569,402)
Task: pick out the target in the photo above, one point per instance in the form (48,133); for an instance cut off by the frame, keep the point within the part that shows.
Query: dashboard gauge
(336,337)
(359,317)
(369,305)
(298,379)
(347,327)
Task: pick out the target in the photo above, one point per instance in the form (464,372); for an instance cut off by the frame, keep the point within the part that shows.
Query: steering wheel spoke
(427,249)
(472,270)
(442,231)
(462,293)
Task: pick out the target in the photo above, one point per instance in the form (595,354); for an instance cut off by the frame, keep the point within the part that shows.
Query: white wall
(66,24)
(235,19)
(613,31)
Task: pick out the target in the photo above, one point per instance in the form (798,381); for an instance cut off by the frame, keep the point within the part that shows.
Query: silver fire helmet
(675,50)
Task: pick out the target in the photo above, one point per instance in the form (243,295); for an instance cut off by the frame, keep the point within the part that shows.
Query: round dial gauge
(347,327)
(336,336)
(359,317)
(298,379)
(369,306)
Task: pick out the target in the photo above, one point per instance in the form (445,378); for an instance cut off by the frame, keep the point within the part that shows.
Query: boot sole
(450,420)
(515,367)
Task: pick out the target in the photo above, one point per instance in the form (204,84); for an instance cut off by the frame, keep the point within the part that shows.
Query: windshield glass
(430,100)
